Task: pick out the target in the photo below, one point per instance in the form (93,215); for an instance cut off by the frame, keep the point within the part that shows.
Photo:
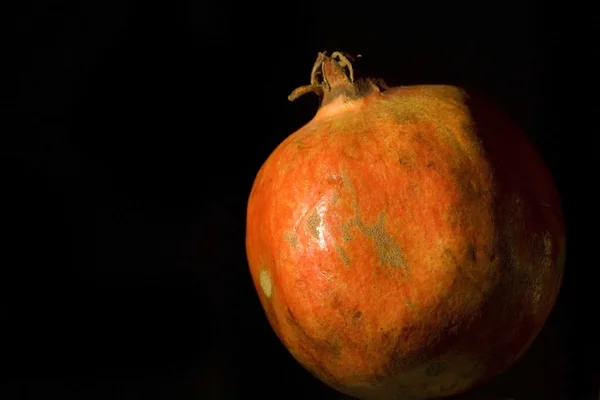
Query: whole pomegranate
(407,243)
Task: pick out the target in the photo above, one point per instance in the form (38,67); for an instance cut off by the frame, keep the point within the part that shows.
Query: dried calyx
(333,76)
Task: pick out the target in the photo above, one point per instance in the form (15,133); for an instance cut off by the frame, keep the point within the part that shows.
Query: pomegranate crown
(333,76)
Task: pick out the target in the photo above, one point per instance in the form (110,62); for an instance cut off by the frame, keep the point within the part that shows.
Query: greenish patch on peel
(426,107)
(413,108)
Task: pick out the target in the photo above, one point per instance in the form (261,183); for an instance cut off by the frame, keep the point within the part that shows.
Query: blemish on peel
(472,252)
(477,365)
(450,387)
(326,274)
(435,369)
(388,250)
(291,238)
(265,283)
(346,235)
(405,161)
(340,250)
(547,244)
(330,347)
(334,198)
(536,293)
(315,224)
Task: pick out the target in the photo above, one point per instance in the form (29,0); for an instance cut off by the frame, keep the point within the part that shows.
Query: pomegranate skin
(406,243)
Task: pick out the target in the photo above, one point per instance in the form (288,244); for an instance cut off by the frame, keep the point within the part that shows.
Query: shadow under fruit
(406,243)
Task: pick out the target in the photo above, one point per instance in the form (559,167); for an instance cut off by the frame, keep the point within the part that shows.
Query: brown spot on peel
(388,250)
(334,198)
(291,238)
(346,229)
(340,250)
(313,222)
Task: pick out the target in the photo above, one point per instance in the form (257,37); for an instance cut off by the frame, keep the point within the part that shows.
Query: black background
(129,148)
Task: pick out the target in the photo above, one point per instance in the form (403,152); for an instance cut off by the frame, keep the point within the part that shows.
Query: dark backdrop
(129,148)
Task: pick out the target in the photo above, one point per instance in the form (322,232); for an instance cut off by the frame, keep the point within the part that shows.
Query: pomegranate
(407,242)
